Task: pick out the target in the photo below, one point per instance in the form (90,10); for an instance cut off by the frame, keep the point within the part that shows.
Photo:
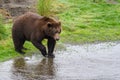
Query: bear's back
(27,17)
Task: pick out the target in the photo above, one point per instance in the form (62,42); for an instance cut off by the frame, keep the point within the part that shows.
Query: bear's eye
(49,24)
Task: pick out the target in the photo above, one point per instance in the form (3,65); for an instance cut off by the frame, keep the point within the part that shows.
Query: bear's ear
(45,18)
(49,24)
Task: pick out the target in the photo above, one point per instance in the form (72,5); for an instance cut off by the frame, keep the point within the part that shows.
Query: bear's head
(52,28)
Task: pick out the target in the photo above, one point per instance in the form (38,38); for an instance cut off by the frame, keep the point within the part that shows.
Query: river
(99,61)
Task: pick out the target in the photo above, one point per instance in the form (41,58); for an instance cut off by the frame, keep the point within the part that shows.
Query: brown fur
(32,27)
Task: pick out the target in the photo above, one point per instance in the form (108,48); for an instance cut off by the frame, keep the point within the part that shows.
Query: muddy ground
(17,7)
(76,62)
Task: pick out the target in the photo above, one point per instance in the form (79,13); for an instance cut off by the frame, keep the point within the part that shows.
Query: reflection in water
(45,67)
(26,71)
(19,64)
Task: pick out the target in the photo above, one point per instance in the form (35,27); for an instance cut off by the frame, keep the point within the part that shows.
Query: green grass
(2,28)
(44,7)
(83,21)
(86,21)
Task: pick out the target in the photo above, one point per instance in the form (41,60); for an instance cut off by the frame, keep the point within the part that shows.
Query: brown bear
(33,27)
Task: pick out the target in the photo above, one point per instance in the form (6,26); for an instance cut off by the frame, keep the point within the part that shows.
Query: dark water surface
(76,62)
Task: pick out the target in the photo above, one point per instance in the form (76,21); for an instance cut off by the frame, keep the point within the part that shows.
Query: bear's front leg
(41,47)
(51,45)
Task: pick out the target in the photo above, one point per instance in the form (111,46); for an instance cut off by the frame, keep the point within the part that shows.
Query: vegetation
(2,28)
(82,21)
(44,7)
(86,21)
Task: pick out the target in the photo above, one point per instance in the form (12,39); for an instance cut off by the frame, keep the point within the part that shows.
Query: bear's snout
(57,37)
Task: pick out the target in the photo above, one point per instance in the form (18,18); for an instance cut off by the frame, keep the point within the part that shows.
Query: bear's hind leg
(18,43)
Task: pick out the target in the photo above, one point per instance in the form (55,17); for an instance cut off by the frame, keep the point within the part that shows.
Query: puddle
(76,62)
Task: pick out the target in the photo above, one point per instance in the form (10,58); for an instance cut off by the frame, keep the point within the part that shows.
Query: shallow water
(76,62)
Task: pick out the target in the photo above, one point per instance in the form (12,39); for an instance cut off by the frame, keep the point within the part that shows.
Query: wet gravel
(76,62)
